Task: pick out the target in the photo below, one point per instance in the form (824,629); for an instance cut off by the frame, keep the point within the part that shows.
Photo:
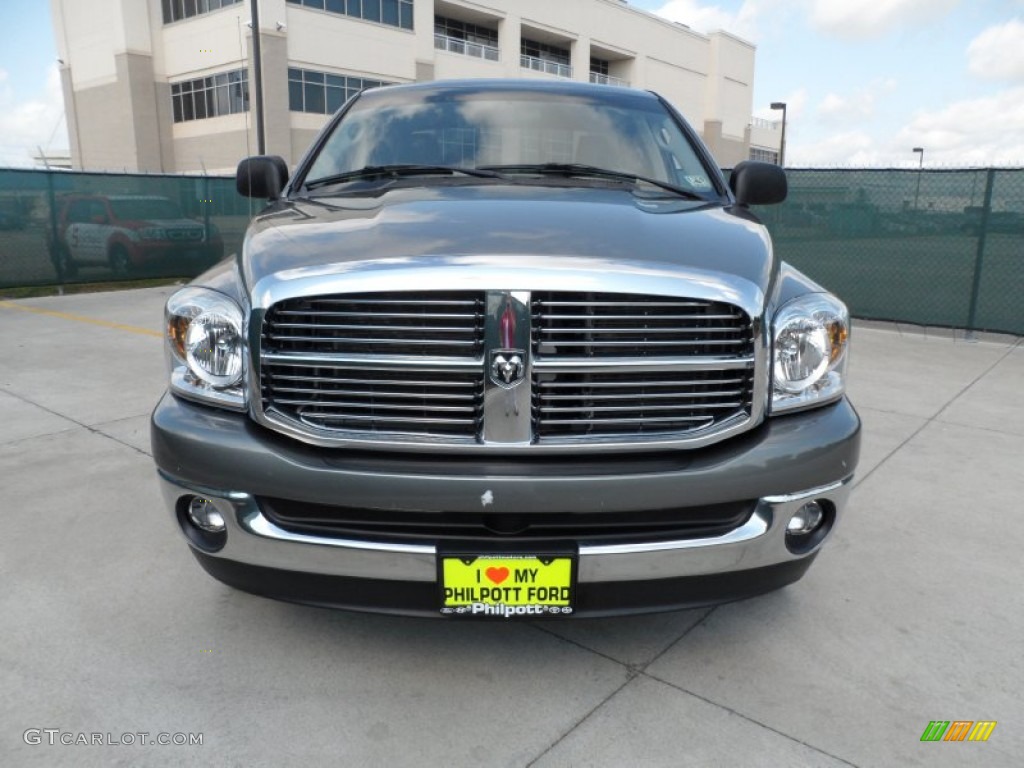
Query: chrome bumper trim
(759,542)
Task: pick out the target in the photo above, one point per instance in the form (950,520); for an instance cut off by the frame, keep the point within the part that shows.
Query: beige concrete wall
(217,153)
(730,96)
(274,51)
(727,150)
(322,40)
(138,93)
(301,139)
(684,88)
(71,117)
(708,77)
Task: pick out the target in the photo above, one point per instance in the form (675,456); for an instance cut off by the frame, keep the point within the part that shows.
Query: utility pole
(920,165)
(782,148)
(257,67)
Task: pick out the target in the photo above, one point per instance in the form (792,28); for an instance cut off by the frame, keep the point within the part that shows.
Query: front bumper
(228,459)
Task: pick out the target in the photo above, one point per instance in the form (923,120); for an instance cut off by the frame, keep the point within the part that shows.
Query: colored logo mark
(958,730)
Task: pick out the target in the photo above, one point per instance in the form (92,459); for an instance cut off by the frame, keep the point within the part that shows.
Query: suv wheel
(66,266)
(120,261)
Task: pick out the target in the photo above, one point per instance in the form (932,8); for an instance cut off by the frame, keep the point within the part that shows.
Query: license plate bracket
(506,585)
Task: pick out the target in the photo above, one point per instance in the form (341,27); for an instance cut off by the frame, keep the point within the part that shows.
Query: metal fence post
(51,199)
(979,257)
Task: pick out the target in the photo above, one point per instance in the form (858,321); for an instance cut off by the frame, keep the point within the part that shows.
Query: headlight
(206,347)
(810,339)
(152,233)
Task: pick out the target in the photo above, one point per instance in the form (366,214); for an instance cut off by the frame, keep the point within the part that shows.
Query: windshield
(505,128)
(144,209)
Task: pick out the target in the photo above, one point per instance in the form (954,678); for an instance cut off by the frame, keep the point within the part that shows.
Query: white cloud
(29,123)
(796,106)
(858,105)
(960,134)
(708,18)
(983,131)
(866,19)
(998,52)
(850,148)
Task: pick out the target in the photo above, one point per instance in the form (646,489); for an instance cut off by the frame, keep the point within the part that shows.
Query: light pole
(257,73)
(920,165)
(782,147)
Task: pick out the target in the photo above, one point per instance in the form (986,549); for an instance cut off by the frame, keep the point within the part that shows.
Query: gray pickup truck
(506,349)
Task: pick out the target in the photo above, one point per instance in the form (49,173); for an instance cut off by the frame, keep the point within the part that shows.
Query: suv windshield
(145,209)
(513,131)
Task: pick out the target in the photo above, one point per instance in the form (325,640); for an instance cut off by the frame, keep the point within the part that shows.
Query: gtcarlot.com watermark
(55,736)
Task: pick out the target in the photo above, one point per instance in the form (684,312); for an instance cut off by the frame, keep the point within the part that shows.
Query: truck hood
(507,227)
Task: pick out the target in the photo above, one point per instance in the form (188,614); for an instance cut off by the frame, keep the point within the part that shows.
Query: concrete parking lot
(914,613)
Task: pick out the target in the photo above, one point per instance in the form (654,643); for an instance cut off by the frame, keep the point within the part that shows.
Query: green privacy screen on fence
(933,247)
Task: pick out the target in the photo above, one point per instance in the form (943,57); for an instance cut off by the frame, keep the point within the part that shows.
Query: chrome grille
(380,364)
(582,404)
(435,324)
(675,366)
(336,396)
(412,367)
(620,325)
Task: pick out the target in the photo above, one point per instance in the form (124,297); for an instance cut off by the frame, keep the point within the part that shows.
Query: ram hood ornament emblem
(507,367)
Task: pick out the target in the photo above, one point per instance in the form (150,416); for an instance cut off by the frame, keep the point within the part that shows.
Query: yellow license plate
(506,585)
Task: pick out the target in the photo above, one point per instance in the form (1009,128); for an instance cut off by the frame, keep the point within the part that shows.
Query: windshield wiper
(579,169)
(397,170)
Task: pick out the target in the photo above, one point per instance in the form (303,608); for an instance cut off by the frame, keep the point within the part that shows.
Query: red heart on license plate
(497,575)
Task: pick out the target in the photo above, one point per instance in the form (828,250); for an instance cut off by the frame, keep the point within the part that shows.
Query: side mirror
(99,218)
(756,183)
(262,176)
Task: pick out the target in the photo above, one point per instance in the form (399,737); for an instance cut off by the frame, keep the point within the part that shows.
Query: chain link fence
(932,247)
(60,227)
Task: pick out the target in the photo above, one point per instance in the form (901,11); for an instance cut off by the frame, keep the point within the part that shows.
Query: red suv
(127,232)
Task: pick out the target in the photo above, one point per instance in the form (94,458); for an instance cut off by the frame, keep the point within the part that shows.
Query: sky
(865,81)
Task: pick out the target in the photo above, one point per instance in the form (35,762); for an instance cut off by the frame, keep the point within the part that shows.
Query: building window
(176,10)
(394,13)
(545,58)
(468,39)
(321,92)
(599,73)
(764,155)
(213,96)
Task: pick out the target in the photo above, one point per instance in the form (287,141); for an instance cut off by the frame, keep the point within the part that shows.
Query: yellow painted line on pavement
(81,319)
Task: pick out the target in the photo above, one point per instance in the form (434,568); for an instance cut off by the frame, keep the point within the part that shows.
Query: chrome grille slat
(313,405)
(390,419)
(704,421)
(640,344)
(639,382)
(343,340)
(362,328)
(633,409)
(602,329)
(646,317)
(384,301)
(647,395)
(399,315)
(364,393)
(369,382)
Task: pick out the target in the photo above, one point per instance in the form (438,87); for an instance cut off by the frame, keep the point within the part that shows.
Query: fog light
(204,515)
(806,520)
